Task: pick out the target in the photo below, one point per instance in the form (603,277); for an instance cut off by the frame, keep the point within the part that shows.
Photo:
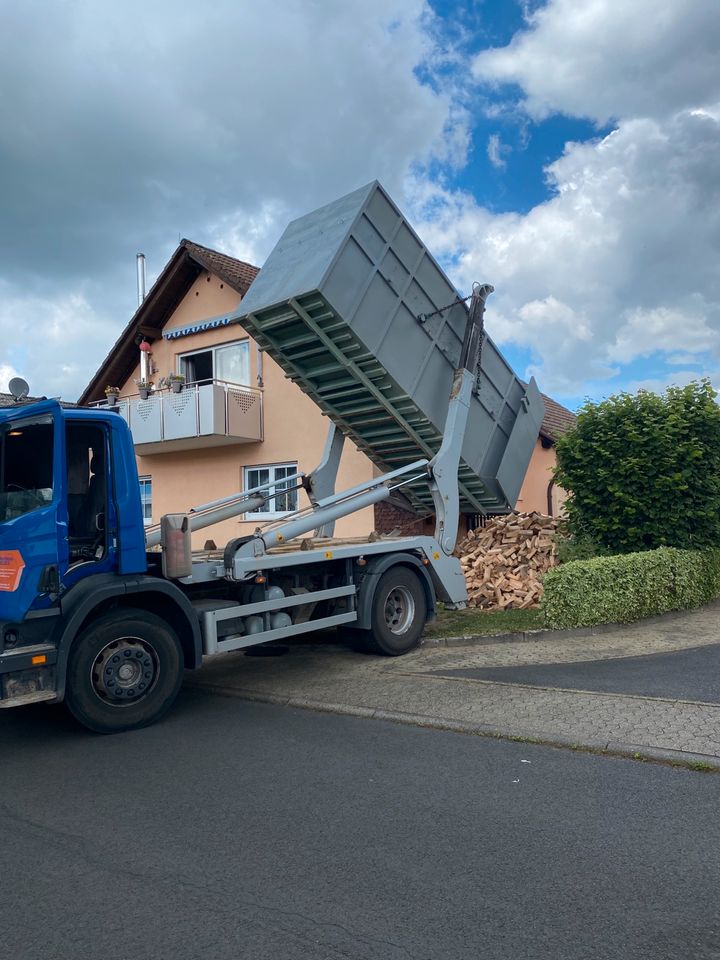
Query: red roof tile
(557,421)
(237,273)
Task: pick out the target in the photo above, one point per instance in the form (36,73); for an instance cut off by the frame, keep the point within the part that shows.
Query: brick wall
(391,515)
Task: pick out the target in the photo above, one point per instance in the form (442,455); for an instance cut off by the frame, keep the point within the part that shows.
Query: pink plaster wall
(534,492)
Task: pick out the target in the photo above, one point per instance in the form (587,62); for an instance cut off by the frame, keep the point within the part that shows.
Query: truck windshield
(26,467)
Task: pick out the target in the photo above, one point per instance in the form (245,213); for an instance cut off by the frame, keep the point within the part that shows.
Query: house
(236,420)
(539,492)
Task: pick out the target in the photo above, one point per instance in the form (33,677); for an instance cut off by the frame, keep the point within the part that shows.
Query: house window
(281,500)
(146,499)
(229,363)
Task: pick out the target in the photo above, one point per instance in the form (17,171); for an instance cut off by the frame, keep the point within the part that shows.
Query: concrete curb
(577,633)
(615,748)
(480,639)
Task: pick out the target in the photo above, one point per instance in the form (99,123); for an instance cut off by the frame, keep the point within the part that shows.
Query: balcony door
(229,363)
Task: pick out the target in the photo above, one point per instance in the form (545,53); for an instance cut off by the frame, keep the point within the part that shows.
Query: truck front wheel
(124,671)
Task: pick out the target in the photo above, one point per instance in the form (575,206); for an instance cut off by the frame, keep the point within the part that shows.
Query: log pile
(503,561)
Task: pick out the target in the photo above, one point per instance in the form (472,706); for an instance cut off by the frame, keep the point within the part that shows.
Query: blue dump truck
(104,614)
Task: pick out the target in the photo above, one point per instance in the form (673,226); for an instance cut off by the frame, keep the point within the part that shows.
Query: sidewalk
(417,688)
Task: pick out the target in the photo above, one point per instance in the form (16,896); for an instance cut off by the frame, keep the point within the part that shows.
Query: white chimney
(140,277)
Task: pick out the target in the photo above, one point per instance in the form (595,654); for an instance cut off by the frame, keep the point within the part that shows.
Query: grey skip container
(341,305)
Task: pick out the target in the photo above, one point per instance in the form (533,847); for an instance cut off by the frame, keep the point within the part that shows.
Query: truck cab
(64,513)
(72,542)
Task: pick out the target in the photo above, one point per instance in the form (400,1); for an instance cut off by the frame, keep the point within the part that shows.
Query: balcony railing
(207,414)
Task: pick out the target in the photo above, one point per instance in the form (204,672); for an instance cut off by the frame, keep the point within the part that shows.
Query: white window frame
(262,512)
(245,342)
(147,521)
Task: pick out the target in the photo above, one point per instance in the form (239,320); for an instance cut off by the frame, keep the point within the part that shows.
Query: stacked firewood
(503,561)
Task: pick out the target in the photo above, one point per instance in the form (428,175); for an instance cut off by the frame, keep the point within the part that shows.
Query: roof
(238,274)
(184,267)
(557,421)
(8,400)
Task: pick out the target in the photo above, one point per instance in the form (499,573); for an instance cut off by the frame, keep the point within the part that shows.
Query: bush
(631,586)
(578,548)
(643,471)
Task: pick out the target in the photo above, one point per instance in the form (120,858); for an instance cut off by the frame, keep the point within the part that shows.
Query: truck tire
(398,614)
(124,671)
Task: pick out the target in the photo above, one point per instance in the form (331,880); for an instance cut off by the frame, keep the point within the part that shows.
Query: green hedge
(620,589)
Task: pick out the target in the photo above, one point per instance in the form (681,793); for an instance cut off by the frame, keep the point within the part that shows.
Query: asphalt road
(691,674)
(242,830)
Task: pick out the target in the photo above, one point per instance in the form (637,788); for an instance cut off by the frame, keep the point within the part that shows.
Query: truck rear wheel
(399,611)
(124,671)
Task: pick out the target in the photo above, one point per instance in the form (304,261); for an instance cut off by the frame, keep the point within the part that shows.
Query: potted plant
(175,381)
(111,395)
(144,388)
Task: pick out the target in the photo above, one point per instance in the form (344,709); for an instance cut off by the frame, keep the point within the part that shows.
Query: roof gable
(181,271)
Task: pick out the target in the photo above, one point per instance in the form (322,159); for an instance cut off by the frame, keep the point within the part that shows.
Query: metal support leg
(321,482)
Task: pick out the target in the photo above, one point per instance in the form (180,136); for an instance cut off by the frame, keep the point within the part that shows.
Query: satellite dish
(19,388)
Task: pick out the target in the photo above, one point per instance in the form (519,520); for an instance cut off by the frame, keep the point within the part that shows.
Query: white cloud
(156,117)
(607,59)
(496,151)
(619,263)
(55,338)
(674,378)
(130,127)
(249,237)
(6,375)
(682,359)
(662,329)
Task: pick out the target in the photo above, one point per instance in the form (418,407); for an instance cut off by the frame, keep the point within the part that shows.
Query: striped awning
(198,327)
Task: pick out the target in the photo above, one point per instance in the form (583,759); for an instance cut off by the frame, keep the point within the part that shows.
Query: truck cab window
(26,468)
(87,492)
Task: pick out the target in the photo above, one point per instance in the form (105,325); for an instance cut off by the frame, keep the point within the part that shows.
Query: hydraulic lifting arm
(443,468)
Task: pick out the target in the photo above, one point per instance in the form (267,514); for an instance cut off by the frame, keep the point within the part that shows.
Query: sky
(566,152)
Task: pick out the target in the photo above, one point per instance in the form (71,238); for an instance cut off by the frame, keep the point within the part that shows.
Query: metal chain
(422,317)
(476,388)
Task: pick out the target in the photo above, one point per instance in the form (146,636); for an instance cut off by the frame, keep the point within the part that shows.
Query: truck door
(33,548)
(90,509)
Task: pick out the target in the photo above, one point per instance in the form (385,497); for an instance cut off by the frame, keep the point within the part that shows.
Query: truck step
(37,697)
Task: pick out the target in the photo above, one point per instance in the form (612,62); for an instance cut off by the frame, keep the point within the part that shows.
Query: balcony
(209,414)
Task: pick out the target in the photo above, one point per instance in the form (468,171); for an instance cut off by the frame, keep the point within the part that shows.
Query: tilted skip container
(343,304)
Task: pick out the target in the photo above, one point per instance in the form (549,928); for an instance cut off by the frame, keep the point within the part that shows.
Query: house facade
(231,420)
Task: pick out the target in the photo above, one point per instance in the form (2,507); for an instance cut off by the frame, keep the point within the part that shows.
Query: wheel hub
(399,610)
(124,671)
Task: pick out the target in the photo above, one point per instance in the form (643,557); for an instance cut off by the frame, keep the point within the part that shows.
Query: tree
(643,471)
